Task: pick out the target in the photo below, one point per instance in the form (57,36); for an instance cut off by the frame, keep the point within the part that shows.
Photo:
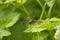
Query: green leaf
(21,1)
(50,2)
(58,26)
(48,25)
(4,32)
(7,1)
(17,32)
(57,20)
(57,35)
(18,1)
(1,1)
(41,35)
(40,27)
(56,9)
(34,28)
(8,19)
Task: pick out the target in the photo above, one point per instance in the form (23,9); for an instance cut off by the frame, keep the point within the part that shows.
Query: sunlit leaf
(57,20)
(41,37)
(40,27)
(1,1)
(50,2)
(4,32)
(48,25)
(21,1)
(34,28)
(8,19)
(7,1)
(57,35)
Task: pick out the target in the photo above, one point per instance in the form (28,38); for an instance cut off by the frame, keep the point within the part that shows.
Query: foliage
(29,19)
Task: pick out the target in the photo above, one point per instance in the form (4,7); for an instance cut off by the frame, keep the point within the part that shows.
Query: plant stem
(49,12)
(50,9)
(33,37)
(41,14)
(51,33)
(43,9)
(25,10)
(40,4)
(38,35)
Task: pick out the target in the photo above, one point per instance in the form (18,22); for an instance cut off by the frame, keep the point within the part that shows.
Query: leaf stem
(40,4)
(33,37)
(50,9)
(43,9)
(51,33)
(38,35)
(49,12)
(25,10)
